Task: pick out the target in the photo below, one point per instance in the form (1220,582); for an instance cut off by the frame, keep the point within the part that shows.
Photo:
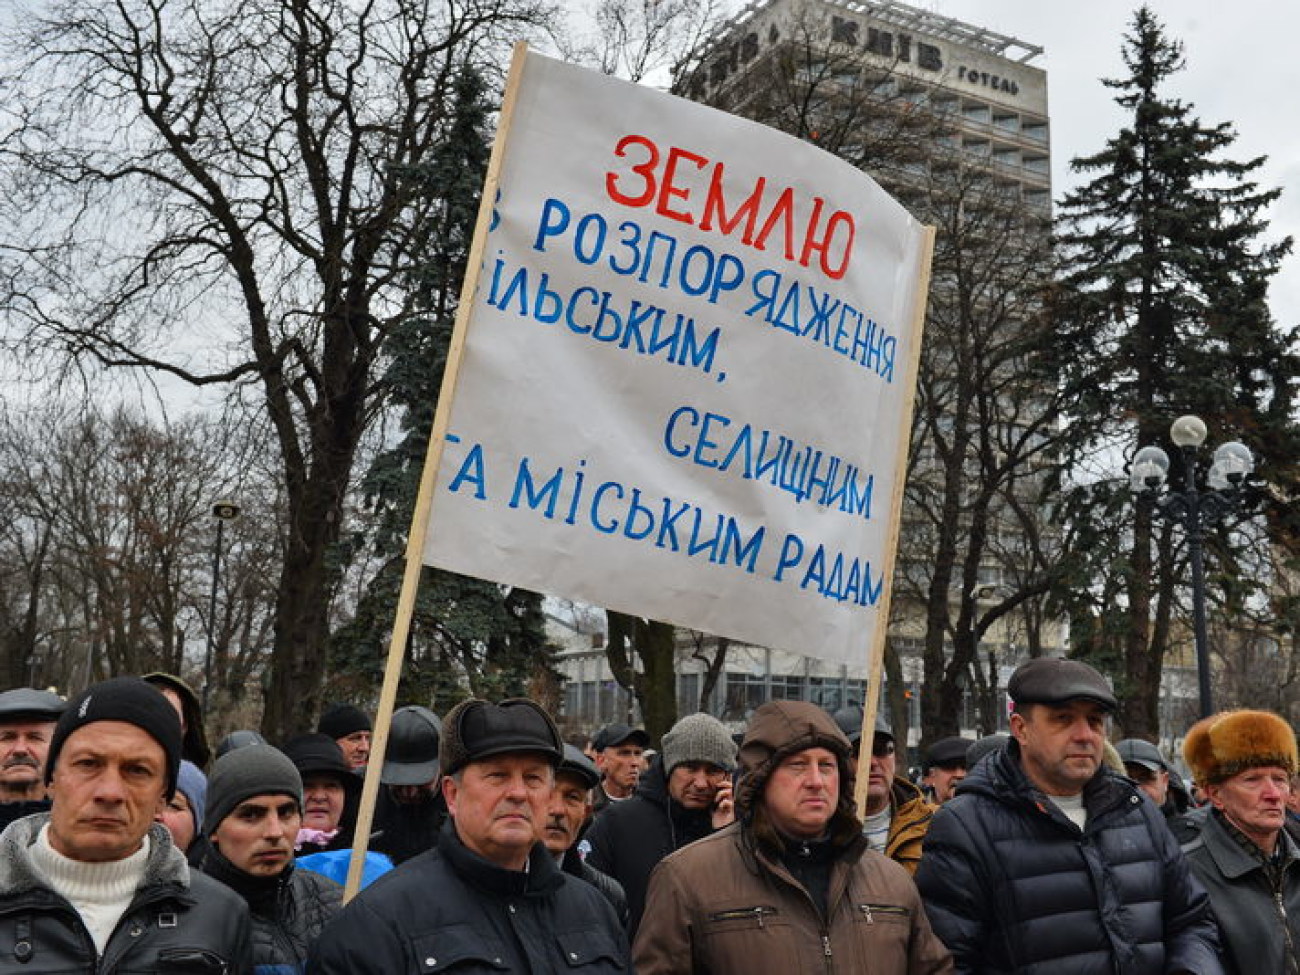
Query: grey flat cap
(31,704)
(1052,680)
(1139,751)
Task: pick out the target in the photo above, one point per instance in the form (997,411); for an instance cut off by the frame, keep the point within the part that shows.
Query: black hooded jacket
(1013,885)
(629,838)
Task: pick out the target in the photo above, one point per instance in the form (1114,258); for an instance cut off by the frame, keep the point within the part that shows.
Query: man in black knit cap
(349,726)
(95,885)
(489,896)
(253,813)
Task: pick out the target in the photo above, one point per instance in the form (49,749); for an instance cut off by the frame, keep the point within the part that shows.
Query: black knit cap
(477,729)
(341,720)
(316,753)
(127,699)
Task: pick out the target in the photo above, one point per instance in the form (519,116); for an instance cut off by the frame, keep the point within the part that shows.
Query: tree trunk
(655,685)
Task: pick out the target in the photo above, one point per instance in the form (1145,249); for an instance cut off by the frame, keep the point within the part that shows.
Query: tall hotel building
(978,89)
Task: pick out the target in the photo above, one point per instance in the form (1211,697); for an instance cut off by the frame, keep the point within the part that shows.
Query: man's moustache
(22,760)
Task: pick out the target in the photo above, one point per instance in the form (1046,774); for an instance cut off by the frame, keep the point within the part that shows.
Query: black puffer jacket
(450,910)
(289,910)
(1012,885)
(179,920)
(629,838)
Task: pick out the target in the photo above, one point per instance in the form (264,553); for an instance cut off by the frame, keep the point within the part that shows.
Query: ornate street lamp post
(1195,508)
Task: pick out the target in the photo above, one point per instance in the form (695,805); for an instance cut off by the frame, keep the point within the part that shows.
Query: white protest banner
(684,382)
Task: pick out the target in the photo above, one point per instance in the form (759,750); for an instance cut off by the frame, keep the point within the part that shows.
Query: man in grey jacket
(1244,855)
(95,885)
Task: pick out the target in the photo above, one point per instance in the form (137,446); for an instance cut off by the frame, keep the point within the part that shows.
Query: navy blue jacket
(451,910)
(1012,885)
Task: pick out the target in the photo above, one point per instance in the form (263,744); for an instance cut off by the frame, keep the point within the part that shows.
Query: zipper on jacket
(744,913)
(887,910)
(1286,930)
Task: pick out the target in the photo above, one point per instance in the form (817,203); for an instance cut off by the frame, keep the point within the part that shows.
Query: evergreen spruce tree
(493,635)
(1162,312)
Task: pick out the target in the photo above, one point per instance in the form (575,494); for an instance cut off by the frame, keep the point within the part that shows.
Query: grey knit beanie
(698,738)
(254,770)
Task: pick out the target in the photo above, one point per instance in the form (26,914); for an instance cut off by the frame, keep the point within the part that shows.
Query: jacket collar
(262,894)
(1002,777)
(758,860)
(165,867)
(1230,857)
(653,785)
(543,876)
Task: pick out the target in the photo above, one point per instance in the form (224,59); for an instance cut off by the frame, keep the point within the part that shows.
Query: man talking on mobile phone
(684,796)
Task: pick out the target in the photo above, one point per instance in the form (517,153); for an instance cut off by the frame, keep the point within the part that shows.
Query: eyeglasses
(882,748)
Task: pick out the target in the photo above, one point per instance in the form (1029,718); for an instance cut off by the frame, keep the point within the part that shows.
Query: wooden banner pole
(876,653)
(428,480)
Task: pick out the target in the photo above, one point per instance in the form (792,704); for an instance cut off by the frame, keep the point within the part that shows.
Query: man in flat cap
(619,752)
(897,813)
(945,767)
(27,718)
(489,896)
(1244,855)
(409,810)
(570,808)
(1144,764)
(1047,861)
(95,884)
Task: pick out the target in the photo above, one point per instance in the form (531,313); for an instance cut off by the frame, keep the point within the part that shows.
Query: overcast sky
(1240,68)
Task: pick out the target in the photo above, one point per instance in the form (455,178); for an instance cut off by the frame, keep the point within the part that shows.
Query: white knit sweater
(101,892)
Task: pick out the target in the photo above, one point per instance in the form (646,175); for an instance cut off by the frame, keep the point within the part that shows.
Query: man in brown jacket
(792,885)
(897,814)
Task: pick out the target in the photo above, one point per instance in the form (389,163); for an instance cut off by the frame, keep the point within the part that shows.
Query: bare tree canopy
(227,191)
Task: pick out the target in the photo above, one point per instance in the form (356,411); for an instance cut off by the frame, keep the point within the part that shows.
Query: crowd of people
(129,845)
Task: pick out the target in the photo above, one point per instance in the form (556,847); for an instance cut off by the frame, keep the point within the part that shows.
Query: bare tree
(105,557)
(224,191)
(979,554)
(639,40)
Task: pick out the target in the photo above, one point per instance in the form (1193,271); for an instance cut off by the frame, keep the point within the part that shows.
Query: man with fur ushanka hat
(1244,855)
(791,885)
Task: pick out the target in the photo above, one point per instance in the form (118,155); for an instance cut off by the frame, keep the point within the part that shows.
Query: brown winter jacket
(911,821)
(726,904)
